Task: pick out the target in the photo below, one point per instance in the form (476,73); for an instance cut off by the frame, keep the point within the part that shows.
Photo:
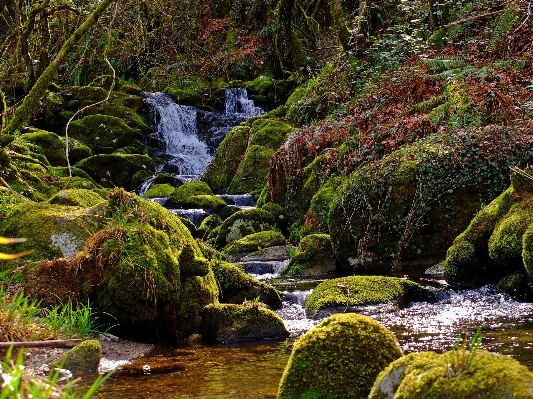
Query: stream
(254,369)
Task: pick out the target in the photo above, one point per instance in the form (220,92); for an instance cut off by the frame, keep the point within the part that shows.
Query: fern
(502,28)
(439,113)
(443,64)
(429,104)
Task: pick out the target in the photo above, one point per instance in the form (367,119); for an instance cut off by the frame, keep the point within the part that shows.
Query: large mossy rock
(227,323)
(242,224)
(84,357)
(53,231)
(253,243)
(340,358)
(195,195)
(495,244)
(415,201)
(103,133)
(313,257)
(159,191)
(252,171)
(435,376)
(52,145)
(236,286)
(116,170)
(336,295)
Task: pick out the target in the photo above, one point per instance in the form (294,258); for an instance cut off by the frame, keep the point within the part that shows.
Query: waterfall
(176,128)
(237,102)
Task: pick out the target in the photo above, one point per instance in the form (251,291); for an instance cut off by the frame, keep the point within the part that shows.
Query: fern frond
(428,105)
(439,113)
(443,63)
(502,28)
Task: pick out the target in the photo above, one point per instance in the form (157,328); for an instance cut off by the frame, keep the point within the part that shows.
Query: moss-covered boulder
(252,243)
(116,170)
(52,145)
(340,358)
(236,286)
(252,172)
(76,197)
(53,231)
(313,257)
(279,213)
(243,223)
(225,323)
(495,244)
(413,202)
(517,285)
(159,191)
(222,169)
(434,376)
(336,295)
(103,133)
(84,357)
(195,195)
(208,224)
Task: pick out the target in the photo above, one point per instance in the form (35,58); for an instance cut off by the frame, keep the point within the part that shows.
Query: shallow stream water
(254,369)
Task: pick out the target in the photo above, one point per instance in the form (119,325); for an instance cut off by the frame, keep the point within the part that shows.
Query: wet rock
(448,375)
(275,253)
(253,243)
(195,194)
(227,323)
(84,357)
(76,197)
(340,358)
(313,257)
(243,223)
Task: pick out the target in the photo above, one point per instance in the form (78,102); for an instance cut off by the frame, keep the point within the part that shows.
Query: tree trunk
(343,32)
(30,102)
(283,34)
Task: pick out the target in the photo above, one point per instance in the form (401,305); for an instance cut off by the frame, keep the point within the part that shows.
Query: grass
(461,356)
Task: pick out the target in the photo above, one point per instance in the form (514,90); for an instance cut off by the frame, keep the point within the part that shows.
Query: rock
(103,133)
(340,358)
(236,286)
(339,294)
(76,197)
(431,375)
(313,257)
(159,191)
(116,170)
(252,171)
(517,285)
(208,224)
(54,231)
(243,223)
(195,195)
(276,253)
(84,357)
(252,243)
(52,145)
(227,323)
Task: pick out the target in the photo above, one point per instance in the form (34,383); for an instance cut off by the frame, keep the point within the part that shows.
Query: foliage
(461,356)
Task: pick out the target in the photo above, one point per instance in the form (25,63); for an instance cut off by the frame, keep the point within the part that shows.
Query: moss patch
(332,360)
(51,144)
(76,197)
(159,191)
(195,194)
(336,294)
(84,357)
(243,223)
(314,256)
(254,242)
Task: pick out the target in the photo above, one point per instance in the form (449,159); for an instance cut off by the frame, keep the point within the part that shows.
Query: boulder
(236,286)
(84,357)
(52,145)
(243,223)
(195,195)
(238,249)
(339,294)
(76,197)
(313,257)
(159,191)
(340,358)
(458,375)
(209,224)
(227,323)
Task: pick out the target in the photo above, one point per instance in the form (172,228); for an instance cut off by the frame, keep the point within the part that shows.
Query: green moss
(51,144)
(243,223)
(254,242)
(76,197)
(332,360)
(527,250)
(159,191)
(114,170)
(229,154)
(516,285)
(353,291)
(230,322)
(84,357)
(103,133)
(279,213)
(208,224)
(195,194)
(425,375)
(314,256)
(269,133)
(53,231)
(252,172)
(236,286)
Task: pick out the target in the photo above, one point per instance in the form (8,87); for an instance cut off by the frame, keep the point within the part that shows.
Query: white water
(237,102)
(177,129)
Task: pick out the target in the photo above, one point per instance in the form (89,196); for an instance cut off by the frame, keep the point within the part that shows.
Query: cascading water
(176,128)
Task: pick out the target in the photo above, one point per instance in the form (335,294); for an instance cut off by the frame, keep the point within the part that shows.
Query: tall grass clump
(72,321)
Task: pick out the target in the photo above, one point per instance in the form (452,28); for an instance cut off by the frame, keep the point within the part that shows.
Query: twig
(472,18)
(58,343)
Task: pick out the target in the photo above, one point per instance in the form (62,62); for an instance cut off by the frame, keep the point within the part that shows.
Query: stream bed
(254,369)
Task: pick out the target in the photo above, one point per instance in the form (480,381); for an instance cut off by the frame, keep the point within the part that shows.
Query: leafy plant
(72,321)
(460,358)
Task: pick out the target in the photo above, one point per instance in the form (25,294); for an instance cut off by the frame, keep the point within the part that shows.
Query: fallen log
(58,343)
